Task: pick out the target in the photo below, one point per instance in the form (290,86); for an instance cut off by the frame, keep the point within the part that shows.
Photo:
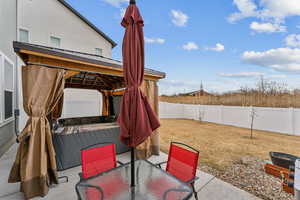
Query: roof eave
(19,46)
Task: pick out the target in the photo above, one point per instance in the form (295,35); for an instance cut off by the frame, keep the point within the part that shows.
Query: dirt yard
(221,146)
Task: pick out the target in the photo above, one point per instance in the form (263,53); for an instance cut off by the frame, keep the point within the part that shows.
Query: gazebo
(47,71)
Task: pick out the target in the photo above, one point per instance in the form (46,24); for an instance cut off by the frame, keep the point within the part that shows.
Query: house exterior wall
(8,27)
(46,18)
(50,18)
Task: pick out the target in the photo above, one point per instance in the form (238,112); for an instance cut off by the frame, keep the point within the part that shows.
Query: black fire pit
(283,160)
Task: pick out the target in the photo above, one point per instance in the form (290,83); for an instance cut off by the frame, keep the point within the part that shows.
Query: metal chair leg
(194,191)
(64,177)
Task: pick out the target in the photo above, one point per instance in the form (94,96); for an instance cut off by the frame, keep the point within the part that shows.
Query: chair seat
(159,188)
(112,187)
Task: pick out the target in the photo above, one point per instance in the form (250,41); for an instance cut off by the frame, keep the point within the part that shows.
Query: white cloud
(179,18)
(247,8)
(154,40)
(267,10)
(293,40)
(278,10)
(281,59)
(219,47)
(241,75)
(190,46)
(122,12)
(116,3)
(267,27)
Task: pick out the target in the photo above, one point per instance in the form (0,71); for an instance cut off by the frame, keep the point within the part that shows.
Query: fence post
(197,113)
(221,114)
(183,111)
(292,121)
(250,112)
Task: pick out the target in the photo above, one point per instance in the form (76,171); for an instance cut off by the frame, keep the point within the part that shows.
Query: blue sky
(225,44)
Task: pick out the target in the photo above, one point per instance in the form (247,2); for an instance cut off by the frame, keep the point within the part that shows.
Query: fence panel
(273,119)
(281,120)
(236,116)
(296,121)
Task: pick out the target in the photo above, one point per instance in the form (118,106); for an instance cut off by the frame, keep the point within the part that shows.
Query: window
(24,35)
(55,42)
(98,51)
(6,88)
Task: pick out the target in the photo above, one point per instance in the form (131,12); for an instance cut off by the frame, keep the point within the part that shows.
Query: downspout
(17,110)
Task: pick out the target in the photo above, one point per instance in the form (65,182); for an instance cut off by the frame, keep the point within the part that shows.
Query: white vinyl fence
(281,120)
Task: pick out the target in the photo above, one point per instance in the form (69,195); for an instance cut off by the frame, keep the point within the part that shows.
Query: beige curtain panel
(57,111)
(35,164)
(151,145)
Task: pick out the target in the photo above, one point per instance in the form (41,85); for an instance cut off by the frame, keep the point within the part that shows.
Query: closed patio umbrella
(137,120)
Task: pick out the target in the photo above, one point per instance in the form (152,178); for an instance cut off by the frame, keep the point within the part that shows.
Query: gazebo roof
(83,70)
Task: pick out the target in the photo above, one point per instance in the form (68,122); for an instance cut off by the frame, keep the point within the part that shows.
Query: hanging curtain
(57,111)
(151,145)
(105,102)
(35,164)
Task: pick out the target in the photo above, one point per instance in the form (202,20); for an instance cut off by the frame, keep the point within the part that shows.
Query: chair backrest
(97,159)
(182,162)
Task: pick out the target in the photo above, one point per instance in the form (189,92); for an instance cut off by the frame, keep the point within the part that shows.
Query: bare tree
(201,114)
(253,115)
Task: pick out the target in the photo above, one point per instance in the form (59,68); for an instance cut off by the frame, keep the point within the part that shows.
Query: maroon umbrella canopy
(137,119)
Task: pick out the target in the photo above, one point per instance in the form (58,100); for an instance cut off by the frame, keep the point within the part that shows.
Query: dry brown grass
(220,146)
(238,99)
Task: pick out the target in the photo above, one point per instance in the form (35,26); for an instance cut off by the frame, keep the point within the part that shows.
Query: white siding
(82,103)
(8,27)
(47,18)
(8,33)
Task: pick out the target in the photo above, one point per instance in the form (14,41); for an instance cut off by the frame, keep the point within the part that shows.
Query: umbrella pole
(132,167)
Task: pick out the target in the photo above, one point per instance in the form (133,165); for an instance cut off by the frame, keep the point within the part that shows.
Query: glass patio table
(151,183)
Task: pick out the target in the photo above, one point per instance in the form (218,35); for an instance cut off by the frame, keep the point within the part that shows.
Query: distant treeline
(265,94)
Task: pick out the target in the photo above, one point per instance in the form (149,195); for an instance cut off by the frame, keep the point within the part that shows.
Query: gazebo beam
(35,57)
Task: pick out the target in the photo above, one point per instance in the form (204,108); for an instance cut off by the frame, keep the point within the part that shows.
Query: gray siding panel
(8,33)
(7,137)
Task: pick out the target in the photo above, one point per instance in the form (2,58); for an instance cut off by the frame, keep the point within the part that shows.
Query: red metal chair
(182,163)
(97,159)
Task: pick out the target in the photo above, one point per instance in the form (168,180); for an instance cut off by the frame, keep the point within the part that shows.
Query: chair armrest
(192,180)
(120,163)
(159,164)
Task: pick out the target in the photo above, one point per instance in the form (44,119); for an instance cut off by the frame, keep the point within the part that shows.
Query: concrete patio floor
(208,187)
